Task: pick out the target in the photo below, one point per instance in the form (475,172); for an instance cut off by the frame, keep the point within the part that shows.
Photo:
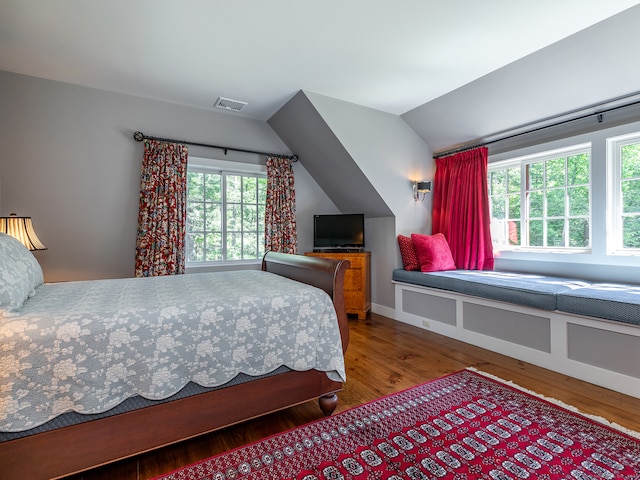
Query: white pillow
(20,274)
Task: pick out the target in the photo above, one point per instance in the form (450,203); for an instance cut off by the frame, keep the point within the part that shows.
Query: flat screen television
(341,231)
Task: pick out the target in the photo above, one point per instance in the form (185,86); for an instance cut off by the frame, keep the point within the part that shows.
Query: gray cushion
(530,290)
(603,300)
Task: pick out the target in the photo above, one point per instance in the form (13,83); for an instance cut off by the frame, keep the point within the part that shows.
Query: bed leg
(328,403)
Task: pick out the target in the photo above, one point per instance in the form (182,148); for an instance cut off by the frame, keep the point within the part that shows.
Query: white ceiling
(391,56)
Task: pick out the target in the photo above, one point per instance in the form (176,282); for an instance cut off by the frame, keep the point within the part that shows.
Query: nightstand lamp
(22,229)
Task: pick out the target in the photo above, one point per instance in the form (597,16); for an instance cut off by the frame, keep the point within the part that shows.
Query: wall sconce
(420,189)
(22,229)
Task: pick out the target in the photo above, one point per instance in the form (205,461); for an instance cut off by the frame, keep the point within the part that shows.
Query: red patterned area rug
(463,426)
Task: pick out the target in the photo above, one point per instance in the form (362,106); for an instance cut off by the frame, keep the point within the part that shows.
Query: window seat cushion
(531,290)
(603,300)
(609,301)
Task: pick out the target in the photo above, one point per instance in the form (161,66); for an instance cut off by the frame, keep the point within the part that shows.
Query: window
(225,215)
(624,187)
(542,201)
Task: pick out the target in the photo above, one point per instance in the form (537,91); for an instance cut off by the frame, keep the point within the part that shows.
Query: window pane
(536,176)
(536,204)
(630,155)
(214,247)
(262,190)
(250,217)
(225,216)
(555,173)
(631,232)
(555,189)
(250,247)
(514,232)
(498,232)
(234,246)
(555,202)
(630,196)
(514,206)
(213,187)
(195,247)
(536,233)
(578,201)
(234,188)
(249,190)
(195,217)
(195,185)
(498,182)
(578,232)
(234,217)
(214,218)
(578,169)
(498,208)
(555,233)
(514,180)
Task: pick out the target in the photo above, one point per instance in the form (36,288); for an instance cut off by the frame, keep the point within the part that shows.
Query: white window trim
(214,165)
(542,156)
(614,194)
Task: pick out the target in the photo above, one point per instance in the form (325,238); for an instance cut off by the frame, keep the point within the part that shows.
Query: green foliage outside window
(556,196)
(225,216)
(630,190)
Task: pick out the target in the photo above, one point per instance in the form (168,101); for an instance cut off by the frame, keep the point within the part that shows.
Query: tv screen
(338,231)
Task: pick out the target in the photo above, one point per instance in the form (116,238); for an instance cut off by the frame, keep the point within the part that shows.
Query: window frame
(615,209)
(524,163)
(225,169)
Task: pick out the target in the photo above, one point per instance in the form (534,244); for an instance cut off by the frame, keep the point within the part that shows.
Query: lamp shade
(424,186)
(22,229)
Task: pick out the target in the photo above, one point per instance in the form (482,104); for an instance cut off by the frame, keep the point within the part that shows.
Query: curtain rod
(139,136)
(597,114)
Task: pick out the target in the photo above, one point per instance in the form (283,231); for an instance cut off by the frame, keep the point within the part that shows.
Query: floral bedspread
(87,346)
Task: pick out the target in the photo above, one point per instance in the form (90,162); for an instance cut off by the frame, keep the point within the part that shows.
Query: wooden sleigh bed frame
(80,447)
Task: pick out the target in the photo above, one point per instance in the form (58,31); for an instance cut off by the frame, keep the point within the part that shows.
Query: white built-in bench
(587,330)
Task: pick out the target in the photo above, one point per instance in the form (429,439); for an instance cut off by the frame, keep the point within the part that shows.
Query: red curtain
(461,208)
(162,217)
(280,234)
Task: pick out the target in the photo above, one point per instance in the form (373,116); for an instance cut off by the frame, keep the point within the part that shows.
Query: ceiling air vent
(228,104)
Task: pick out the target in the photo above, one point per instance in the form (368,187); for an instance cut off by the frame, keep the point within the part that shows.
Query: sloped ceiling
(306,132)
(584,70)
(390,56)
(456,71)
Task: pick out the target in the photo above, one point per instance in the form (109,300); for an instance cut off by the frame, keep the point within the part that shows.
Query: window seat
(583,329)
(608,301)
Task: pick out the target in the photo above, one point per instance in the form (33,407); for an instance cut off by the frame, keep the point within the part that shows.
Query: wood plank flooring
(384,356)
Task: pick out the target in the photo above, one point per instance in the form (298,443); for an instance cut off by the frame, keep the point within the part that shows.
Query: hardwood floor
(384,356)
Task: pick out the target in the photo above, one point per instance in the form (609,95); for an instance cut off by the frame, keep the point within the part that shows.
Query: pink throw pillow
(408,253)
(433,252)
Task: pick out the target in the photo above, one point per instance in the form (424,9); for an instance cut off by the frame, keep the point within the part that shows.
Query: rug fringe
(566,406)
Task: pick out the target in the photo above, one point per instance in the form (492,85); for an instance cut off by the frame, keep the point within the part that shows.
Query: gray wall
(68,160)
(365,160)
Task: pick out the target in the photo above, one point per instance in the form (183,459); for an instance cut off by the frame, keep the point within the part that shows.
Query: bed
(303,299)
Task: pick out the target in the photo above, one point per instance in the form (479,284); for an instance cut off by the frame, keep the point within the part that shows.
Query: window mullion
(223,208)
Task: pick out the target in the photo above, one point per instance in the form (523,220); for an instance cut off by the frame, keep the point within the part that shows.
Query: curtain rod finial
(138,136)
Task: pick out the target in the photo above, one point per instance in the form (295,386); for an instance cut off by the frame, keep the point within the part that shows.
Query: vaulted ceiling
(454,70)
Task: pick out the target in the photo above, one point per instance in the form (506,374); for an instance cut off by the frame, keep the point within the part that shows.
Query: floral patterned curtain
(162,218)
(280,214)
